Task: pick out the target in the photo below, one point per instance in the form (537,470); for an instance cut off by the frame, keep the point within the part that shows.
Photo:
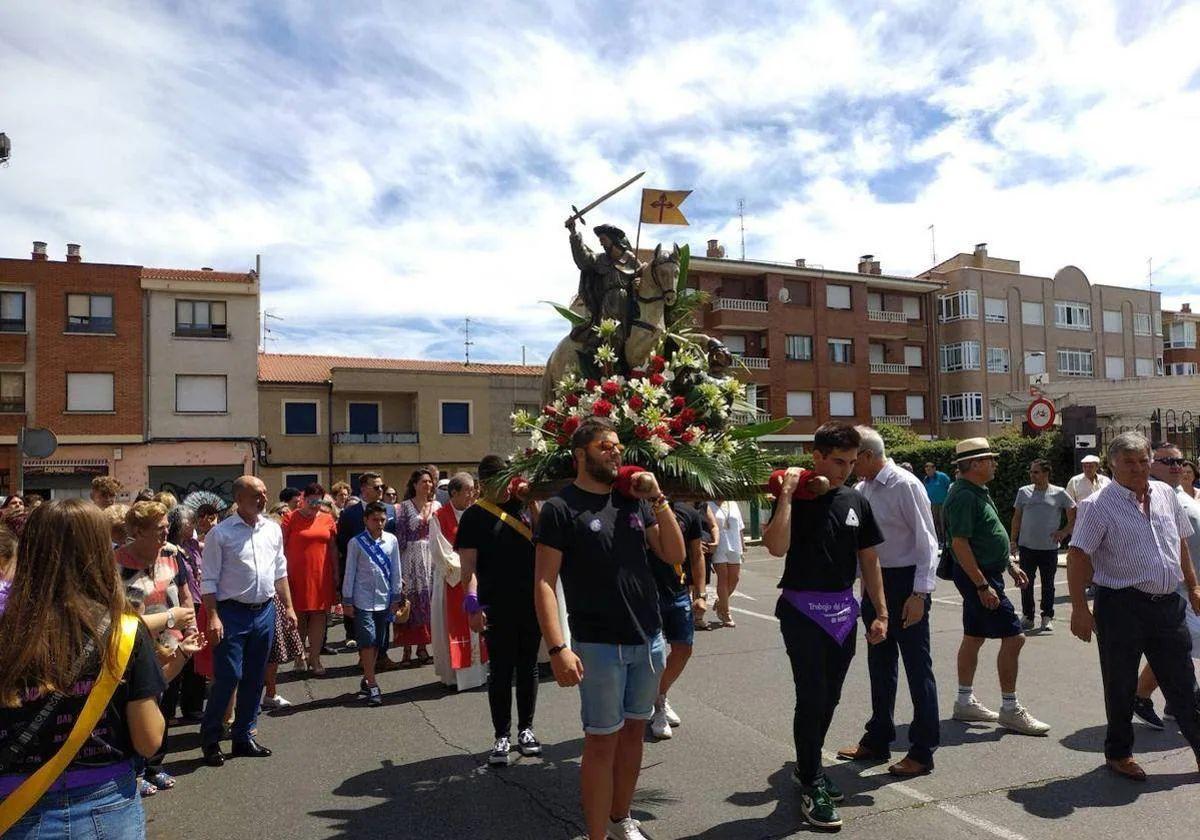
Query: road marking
(744,595)
(756,615)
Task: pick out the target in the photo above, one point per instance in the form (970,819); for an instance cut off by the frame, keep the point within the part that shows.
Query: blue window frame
(300,418)
(456,418)
(364,418)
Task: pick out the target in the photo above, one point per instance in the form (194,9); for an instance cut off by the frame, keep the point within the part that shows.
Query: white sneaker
(672,718)
(974,712)
(659,727)
(276,702)
(1019,720)
(1047,624)
(626,829)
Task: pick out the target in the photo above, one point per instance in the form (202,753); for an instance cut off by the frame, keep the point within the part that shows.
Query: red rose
(642,432)
(562,440)
(662,431)
(657,363)
(571,400)
(657,379)
(570,425)
(591,384)
(610,388)
(528,452)
(636,402)
(551,427)
(550,411)
(636,374)
(678,403)
(602,408)
(676,425)
(687,415)
(687,436)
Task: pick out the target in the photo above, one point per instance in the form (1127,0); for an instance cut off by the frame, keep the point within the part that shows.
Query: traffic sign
(1040,414)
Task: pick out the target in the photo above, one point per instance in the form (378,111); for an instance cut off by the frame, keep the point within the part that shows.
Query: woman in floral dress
(416,564)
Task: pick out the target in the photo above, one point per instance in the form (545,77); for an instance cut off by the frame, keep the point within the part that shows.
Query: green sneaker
(818,809)
(835,792)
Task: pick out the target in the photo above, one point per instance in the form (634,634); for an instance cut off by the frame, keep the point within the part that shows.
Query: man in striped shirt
(1130,539)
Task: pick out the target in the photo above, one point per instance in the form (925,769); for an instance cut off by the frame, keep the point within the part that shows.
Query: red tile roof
(293,367)
(198,274)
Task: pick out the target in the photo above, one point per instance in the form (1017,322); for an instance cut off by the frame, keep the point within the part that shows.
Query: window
(912,308)
(1143,367)
(1182,369)
(875,353)
(962,355)
(1071,315)
(797,292)
(89,392)
(759,396)
(958,408)
(799,403)
(1035,362)
(299,481)
(1182,335)
(799,347)
(997,360)
(914,406)
(12,312)
(999,414)
(1158,322)
(1141,323)
(362,418)
(995,310)
(959,306)
(1114,367)
(300,418)
(874,301)
(1075,362)
(878,405)
(201,318)
(456,417)
(200,394)
(89,313)
(1113,322)
(841,351)
(841,403)
(837,297)
(1033,313)
(736,344)
(914,356)
(12,392)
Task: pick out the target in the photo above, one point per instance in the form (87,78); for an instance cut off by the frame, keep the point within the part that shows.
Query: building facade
(816,344)
(1181,357)
(331,418)
(999,331)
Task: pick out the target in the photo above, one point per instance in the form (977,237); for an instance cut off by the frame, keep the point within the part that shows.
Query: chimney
(1186,307)
(800,262)
(867,264)
(39,251)
(715,250)
(73,253)
(980,253)
(206,268)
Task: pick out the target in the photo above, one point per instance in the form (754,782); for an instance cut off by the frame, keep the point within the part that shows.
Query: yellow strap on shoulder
(507,518)
(20,801)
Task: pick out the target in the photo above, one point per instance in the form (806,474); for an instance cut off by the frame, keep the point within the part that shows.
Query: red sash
(457,627)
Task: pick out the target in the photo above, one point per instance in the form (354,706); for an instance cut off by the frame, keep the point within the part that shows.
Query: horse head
(664,273)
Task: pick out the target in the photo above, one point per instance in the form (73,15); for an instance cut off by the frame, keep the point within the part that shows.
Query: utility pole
(932,248)
(742,224)
(467,342)
(1150,271)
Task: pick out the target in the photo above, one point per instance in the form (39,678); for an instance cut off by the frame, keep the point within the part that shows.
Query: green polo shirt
(970,512)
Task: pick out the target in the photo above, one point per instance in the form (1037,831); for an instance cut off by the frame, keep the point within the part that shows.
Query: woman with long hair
(65,620)
(310,545)
(416,564)
(12,505)
(181,533)
(1187,480)
(727,554)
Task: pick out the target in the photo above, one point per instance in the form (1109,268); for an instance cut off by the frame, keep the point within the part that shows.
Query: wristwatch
(554,650)
(170,619)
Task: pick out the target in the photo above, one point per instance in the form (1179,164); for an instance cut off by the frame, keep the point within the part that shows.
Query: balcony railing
(892,419)
(376,439)
(888,367)
(754,362)
(888,317)
(738,305)
(748,418)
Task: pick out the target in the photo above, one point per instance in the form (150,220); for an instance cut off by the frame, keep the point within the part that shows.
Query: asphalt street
(415,767)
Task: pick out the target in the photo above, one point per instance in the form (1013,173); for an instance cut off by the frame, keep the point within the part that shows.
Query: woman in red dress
(311,551)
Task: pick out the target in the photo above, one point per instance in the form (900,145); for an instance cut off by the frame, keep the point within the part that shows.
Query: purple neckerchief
(833,612)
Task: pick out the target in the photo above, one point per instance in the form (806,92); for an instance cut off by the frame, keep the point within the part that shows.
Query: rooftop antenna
(467,342)
(932,247)
(742,224)
(266,330)
(1150,271)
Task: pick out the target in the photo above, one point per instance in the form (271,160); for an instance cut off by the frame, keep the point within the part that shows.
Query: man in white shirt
(908,558)
(1090,481)
(244,568)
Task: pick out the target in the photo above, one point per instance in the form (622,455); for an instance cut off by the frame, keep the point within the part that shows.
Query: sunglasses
(609,446)
(1170,462)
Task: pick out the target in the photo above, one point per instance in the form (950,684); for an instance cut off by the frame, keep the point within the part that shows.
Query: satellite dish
(38,443)
(784,294)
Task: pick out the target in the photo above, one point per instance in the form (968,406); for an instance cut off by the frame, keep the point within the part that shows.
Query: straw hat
(970,448)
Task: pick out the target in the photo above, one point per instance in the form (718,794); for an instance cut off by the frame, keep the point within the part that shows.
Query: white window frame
(833,394)
(1072,315)
(1076,363)
(920,403)
(962,408)
(1186,339)
(961,355)
(999,414)
(1141,323)
(794,410)
(1182,369)
(112,386)
(1143,366)
(829,287)
(801,340)
(1114,321)
(995,310)
(1111,362)
(999,360)
(470,418)
(1032,317)
(1038,356)
(958,306)
(283,404)
(179,380)
(911,350)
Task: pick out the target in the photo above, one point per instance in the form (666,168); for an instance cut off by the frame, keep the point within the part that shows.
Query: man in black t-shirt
(599,538)
(825,541)
(675,603)
(496,551)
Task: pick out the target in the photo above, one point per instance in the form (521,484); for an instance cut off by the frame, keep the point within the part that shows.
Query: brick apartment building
(820,344)
(1180,354)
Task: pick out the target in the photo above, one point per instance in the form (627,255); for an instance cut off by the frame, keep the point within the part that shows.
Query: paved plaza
(415,768)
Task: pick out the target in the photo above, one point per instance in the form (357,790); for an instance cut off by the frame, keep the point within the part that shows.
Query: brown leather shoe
(1128,768)
(908,767)
(858,752)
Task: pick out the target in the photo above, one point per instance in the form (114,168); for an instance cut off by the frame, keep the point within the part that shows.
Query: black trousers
(1130,623)
(883,662)
(512,644)
(819,666)
(1035,562)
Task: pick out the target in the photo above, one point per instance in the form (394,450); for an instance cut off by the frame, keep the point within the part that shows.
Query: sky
(402,166)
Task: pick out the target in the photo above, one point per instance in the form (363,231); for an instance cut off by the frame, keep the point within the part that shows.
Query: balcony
(738,305)
(753,362)
(748,418)
(889,367)
(886,316)
(739,313)
(377,439)
(891,419)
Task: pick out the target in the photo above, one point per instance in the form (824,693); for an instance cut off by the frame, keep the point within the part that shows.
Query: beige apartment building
(999,330)
(1181,357)
(331,418)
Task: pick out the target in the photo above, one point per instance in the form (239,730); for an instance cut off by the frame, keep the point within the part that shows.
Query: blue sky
(402,166)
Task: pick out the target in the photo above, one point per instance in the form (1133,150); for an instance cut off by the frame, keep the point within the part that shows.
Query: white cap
(1090,459)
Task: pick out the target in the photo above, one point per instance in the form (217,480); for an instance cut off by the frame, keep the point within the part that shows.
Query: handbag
(945,566)
(21,800)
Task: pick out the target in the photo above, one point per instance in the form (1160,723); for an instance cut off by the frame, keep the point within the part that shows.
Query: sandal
(146,789)
(162,780)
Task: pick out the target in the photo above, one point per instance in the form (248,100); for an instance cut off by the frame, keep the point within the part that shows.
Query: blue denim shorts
(679,627)
(108,809)
(620,683)
(372,629)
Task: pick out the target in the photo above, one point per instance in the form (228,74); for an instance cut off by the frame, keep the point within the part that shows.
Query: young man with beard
(825,540)
(600,538)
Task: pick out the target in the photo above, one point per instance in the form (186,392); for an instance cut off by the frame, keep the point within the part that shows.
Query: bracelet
(556,650)
(471,603)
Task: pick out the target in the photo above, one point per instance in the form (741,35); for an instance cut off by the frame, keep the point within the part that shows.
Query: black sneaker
(364,690)
(375,696)
(1143,710)
(499,754)
(527,743)
(835,793)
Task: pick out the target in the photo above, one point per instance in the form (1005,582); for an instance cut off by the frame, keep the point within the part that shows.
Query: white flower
(607,328)
(605,355)
(705,447)
(520,419)
(659,447)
